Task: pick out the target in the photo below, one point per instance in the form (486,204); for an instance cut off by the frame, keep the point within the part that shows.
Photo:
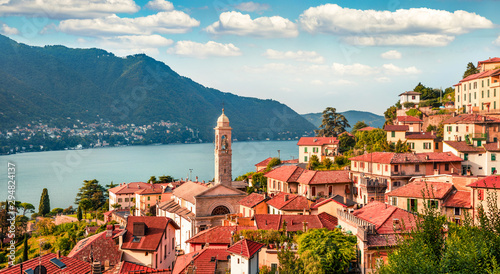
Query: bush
(414,112)
(408,104)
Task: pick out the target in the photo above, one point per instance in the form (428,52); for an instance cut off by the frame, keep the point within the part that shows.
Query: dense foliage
(333,123)
(44,206)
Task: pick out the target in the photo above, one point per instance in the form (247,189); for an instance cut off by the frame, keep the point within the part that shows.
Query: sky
(309,55)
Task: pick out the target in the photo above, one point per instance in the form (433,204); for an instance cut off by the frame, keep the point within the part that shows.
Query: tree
(45,226)
(346,142)
(79,213)
(116,206)
(327,163)
(166,179)
(152,179)
(358,125)
(25,248)
(471,69)
(390,115)
(27,207)
(333,123)
(92,191)
(272,163)
(313,162)
(326,251)
(44,207)
(85,204)
(111,185)
(288,261)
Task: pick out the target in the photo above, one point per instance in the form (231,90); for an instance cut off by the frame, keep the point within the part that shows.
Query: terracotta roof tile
(217,235)
(382,216)
(495,147)
(188,190)
(463,146)
(155,228)
(317,141)
(420,135)
(315,177)
(459,199)
(396,127)
(430,157)
(252,200)
(489,60)
(408,119)
(471,119)
(492,181)
(382,240)
(284,173)
(129,188)
(289,202)
(367,129)
(416,189)
(103,248)
(129,268)
(265,162)
(201,260)
(411,92)
(341,200)
(402,158)
(72,265)
(480,75)
(245,248)
(295,222)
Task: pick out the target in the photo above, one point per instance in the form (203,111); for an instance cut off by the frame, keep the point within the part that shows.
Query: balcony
(477,136)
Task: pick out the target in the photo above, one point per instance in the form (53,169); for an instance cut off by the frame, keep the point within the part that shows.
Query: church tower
(223,152)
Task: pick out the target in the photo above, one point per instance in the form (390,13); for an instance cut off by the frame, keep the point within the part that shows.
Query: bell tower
(223,152)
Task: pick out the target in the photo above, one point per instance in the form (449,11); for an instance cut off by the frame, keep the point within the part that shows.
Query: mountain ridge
(352,116)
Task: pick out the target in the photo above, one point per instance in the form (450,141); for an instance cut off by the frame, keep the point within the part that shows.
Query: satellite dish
(40,270)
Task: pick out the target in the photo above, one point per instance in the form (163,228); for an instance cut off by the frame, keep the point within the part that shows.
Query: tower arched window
(220,210)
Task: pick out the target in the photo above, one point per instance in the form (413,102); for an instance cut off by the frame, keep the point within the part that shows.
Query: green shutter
(493,157)
(408,204)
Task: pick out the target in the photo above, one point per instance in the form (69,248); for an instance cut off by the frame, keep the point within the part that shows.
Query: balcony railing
(477,136)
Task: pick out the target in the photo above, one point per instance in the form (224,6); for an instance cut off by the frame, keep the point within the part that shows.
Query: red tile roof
(411,92)
(408,119)
(265,162)
(155,228)
(402,158)
(343,133)
(480,75)
(151,189)
(336,199)
(492,146)
(316,177)
(129,268)
(471,119)
(217,235)
(317,141)
(252,200)
(295,222)
(489,60)
(201,260)
(459,199)
(72,265)
(419,135)
(367,129)
(382,216)
(488,182)
(463,146)
(284,173)
(103,248)
(419,189)
(245,248)
(396,127)
(289,202)
(129,188)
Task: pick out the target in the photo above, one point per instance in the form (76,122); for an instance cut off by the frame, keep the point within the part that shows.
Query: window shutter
(408,204)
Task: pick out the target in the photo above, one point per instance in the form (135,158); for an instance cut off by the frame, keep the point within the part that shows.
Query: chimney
(96,268)
(58,255)
(426,157)
(109,231)
(286,197)
(196,178)
(396,224)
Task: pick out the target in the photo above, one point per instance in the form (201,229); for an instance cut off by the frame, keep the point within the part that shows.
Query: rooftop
(459,199)
(341,200)
(217,235)
(396,127)
(367,129)
(419,189)
(205,260)
(102,246)
(188,190)
(245,248)
(285,173)
(71,265)
(129,188)
(289,202)
(411,92)
(402,158)
(419,135)
(471,119)
(252,200)
(154,229)
(383,215)
(295,222)
(487,182)
(317,141)
(315,177)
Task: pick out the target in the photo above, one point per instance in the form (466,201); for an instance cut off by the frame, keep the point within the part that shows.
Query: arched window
(220,210)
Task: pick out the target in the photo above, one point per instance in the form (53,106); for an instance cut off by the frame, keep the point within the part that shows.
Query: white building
(409,97)
(245,257)
(477,160)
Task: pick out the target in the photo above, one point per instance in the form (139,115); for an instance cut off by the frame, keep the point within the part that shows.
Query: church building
(195,206)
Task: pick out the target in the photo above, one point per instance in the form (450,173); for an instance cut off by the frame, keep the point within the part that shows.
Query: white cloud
(341,82)
(160,5)
(270,67)
(162,22)
(317,82)
(497,41)
(354,69)
(392,54)
(252,7)
(199,50)
(57,9)
(138,41)
(383,79)
(401,27)
(242,24)
(425,40)
(6,30)
(395,70)
(304,56)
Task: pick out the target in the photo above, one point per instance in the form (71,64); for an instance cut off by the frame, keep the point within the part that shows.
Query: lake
(63,172)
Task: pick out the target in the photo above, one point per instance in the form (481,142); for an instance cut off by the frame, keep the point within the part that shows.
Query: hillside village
(368,194)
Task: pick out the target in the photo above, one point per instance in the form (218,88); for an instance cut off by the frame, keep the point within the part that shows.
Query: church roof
(188,190)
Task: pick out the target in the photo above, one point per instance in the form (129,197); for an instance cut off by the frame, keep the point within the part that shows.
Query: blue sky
(307,54)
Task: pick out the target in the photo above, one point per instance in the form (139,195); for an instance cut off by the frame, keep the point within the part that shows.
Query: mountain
(52,83)
(353,116)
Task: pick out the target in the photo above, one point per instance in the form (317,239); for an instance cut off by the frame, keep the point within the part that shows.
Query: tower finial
(222,107)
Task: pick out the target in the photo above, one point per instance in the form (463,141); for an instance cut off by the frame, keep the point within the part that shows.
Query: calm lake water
(63,172)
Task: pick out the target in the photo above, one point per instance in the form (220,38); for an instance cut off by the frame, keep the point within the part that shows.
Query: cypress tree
(79,213)
(26,248)
(44,207)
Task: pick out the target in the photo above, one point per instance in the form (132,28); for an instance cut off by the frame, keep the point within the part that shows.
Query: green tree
(471,69)
(390,115)
(85,205)
(414,112)
(358,125)
(79,213)
(152,179)
(259,181)
(346,142)
(272,163)
(288,261)
(333,123)
(327,163)
(111,185)
(25,248)
(326,251)
(313,162)
(92,191)
(44,206)
(27,207)
(373,140)
(166,179)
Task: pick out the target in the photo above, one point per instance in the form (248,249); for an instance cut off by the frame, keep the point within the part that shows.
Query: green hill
(353,116)
(52,83)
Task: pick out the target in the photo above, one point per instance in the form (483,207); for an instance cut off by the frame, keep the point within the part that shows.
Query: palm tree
(333,123)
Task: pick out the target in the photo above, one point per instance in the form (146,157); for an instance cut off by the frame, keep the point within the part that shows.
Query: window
(427,145)
(386,167)
(355,164)
(493,170)
(465,87)
(488,93)
(411,145)
(480,194)
(493,157)
(456,129)
(378,166)
(305,149)
(396,168)
(488,82)
(436,145)
(482,94)
(412,205)
(396,184)
(149,198)
(119,200)
(313,191)
(466,156)
(126,199)
(457,211)
(474,95)
(482,83)
(494,92)
(413,97)
(435,166)
(305,158)
(446,167)
(433,204)
(394,201)
(393,134)
(417,168)
(159,197)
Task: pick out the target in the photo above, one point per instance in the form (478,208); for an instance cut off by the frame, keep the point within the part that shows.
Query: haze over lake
(63,172)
